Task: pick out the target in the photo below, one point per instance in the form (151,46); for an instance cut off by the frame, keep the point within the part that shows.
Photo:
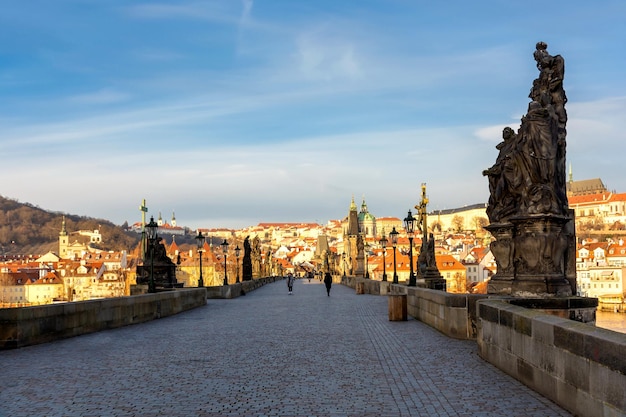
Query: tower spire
(63,231)
(571,175)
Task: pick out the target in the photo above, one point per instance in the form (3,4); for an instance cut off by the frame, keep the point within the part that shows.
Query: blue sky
(235,112)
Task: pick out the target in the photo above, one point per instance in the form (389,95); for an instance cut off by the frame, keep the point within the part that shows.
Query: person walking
(290,281)
(328,281)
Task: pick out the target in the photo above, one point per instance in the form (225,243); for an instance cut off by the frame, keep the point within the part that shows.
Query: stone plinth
(397,307)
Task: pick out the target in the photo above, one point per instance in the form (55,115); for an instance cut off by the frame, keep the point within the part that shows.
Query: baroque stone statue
(246,267)
(528,210)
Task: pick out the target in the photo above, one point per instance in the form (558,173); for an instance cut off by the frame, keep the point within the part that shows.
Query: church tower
(353,220)
(63,241)
(173,219)
(350,241)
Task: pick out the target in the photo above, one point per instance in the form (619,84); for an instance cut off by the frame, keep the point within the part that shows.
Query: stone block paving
(265,354)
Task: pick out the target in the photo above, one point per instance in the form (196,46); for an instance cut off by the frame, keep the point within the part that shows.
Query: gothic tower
(63,241)
(351,235)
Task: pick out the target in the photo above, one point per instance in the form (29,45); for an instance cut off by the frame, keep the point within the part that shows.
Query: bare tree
(457,223)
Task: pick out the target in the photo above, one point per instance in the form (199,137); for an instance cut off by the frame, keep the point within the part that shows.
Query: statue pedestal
(434,280)
(531,253)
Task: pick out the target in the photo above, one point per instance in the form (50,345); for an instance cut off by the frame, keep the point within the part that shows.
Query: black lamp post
(409,226)
(200,241)
(237,252)
(383,244)
(224,246)
(394,242)
(151,230)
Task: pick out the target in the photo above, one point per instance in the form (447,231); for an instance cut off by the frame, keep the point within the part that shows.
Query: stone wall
(576,365)
(32,325)
(239,289)
(452,314)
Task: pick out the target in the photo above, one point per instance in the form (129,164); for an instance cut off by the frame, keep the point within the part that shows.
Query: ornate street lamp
(383,244)
(394,242)
(200,241)
(409,226)
(237,252)
(224,246)
(151,230)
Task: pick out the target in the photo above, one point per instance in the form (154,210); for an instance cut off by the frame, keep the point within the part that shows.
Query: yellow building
(469,218)
(45,290)
(453,272)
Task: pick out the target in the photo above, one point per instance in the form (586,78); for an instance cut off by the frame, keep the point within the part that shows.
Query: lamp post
(151,230)
(237,252)
(394,242)
(367,270)
(409,226)
(224,246)
(383,244)
(200,241)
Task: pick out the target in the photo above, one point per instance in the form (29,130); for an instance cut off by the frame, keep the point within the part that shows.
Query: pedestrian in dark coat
(290,280)
(328,281)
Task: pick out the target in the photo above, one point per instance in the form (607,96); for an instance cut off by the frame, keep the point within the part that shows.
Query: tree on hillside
(24,229)
(457,223)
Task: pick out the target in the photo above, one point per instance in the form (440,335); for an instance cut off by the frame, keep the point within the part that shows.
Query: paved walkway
(265,354)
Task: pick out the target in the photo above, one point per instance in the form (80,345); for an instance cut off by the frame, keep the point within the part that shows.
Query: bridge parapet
(578,366)
(26,326)
(238,289)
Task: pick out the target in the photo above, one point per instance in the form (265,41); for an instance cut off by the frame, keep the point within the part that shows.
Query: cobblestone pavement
(265,354)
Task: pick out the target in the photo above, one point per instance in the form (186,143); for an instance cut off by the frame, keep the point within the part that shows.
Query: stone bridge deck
(265,354)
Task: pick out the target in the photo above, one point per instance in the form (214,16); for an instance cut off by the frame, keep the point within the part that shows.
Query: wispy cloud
(210,11)
(320,55)
(104,96)
(246,13)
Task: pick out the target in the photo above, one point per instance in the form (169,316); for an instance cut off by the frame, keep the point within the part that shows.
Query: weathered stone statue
(246,267)
(268,263)
(360,257)
(528,210)
(256,257)
(158,265)
(427,272)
